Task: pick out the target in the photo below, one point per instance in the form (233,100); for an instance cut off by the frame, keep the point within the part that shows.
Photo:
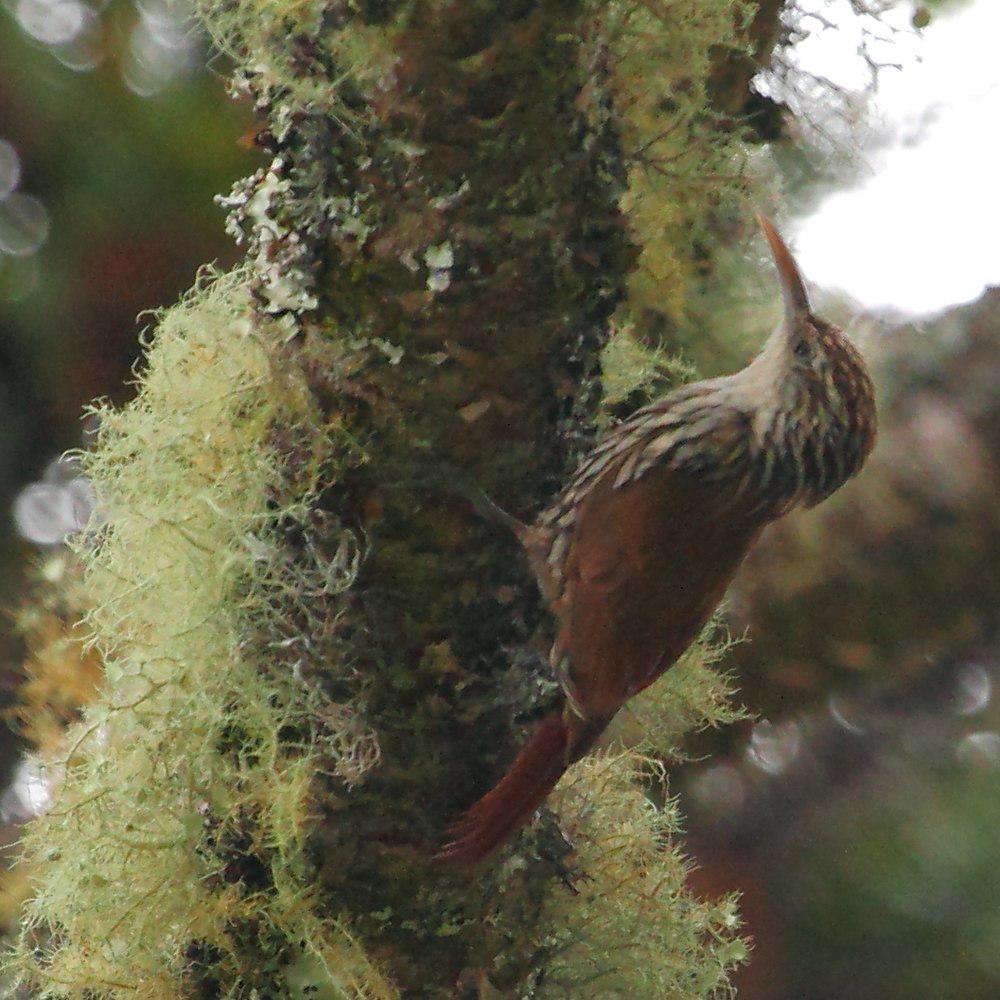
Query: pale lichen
(318,54)
(628,927)
(187,752)
(696,693)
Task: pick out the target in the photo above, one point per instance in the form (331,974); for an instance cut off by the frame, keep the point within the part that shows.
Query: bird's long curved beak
(793,288)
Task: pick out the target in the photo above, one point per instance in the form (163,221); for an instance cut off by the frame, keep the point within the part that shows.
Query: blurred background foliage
(114,138)
(858,813)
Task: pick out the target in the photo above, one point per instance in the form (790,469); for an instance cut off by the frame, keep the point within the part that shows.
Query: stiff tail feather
(503,810)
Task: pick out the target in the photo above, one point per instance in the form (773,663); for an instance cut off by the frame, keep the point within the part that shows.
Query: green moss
(689,182)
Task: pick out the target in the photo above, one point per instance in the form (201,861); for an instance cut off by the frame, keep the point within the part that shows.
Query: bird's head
(801,355)
(812,386)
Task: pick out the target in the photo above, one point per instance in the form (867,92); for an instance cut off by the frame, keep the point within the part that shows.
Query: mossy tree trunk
(484,258)
(312,643)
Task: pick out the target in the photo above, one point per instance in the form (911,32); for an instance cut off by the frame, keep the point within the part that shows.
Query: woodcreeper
(636,552)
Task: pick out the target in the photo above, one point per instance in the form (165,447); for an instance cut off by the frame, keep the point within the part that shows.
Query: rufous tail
(506,807)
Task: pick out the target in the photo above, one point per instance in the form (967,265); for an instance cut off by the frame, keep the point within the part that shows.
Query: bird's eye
(802,349)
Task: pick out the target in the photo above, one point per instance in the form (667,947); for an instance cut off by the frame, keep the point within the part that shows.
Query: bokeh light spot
(46,512)
(975,688)
(24,224)
(53,22)
(981,748)
(10,168)
(773,747)
(28,795)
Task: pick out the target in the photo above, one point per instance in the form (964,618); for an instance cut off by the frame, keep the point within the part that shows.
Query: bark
(490,154)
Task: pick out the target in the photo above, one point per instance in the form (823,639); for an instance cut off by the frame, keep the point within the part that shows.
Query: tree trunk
(481,255)
(316,654)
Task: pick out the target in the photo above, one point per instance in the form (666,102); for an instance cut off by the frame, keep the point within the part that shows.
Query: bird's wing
(647,564)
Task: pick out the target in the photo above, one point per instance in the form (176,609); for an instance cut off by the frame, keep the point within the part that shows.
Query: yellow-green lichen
(632,374)
(136,863)
(687,169)
(629,927)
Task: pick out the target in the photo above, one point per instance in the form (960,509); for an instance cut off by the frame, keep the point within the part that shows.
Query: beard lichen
(689,181)
(695,694)
(179,823)
(628,927)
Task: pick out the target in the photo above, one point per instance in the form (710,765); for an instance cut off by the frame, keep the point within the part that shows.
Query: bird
(636,552)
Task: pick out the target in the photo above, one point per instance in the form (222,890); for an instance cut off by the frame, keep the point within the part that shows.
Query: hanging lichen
(143,853)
